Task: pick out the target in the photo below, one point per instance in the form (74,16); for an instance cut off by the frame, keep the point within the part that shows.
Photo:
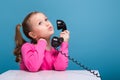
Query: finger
(63,32)
(67,31)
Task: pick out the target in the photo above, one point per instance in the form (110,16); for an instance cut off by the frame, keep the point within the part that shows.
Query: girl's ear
(32,35)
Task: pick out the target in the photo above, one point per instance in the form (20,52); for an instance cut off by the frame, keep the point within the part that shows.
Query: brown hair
(18,37)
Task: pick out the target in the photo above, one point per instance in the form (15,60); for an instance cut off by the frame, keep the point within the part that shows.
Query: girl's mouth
(50,28)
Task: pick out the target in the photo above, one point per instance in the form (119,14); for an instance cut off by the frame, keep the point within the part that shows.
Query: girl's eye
(46,19)
(40,23)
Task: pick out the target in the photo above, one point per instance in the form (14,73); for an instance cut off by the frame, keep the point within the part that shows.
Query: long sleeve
(33,54)
(61,62)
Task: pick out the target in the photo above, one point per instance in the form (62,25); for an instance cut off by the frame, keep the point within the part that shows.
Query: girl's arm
(33,54)
(61,62)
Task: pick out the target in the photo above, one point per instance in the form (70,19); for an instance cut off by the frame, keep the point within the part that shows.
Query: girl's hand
(65,35)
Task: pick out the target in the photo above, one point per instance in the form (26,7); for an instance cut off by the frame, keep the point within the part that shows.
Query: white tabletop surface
(48,75)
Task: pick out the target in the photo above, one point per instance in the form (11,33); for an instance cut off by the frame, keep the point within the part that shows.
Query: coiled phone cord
(79,64)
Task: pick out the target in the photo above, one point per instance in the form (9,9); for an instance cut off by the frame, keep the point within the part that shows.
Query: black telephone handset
(56,42)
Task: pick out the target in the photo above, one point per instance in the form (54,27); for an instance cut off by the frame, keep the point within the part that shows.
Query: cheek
(37,32)
(41,33)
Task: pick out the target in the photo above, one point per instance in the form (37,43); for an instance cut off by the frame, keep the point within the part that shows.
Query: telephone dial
(56,42)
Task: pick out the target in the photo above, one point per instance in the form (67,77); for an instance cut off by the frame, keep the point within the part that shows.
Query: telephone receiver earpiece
(56,41)
(61,25)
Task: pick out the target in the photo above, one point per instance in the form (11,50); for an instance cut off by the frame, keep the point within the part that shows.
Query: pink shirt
(35,57)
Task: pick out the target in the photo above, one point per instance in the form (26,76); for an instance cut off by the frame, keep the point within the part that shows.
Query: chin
(52,32)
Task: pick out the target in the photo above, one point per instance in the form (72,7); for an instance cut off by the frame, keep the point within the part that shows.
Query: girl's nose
(47,24)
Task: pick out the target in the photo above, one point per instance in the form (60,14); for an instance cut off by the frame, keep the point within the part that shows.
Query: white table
(48,75)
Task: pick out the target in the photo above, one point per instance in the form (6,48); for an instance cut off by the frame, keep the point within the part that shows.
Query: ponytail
(19,41)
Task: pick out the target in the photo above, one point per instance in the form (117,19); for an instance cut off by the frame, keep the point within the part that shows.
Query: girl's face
(41,27)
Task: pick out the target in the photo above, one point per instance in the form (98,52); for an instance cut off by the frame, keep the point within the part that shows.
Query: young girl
(39,54)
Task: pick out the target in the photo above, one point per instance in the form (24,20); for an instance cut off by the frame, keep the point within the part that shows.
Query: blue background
(94,26)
